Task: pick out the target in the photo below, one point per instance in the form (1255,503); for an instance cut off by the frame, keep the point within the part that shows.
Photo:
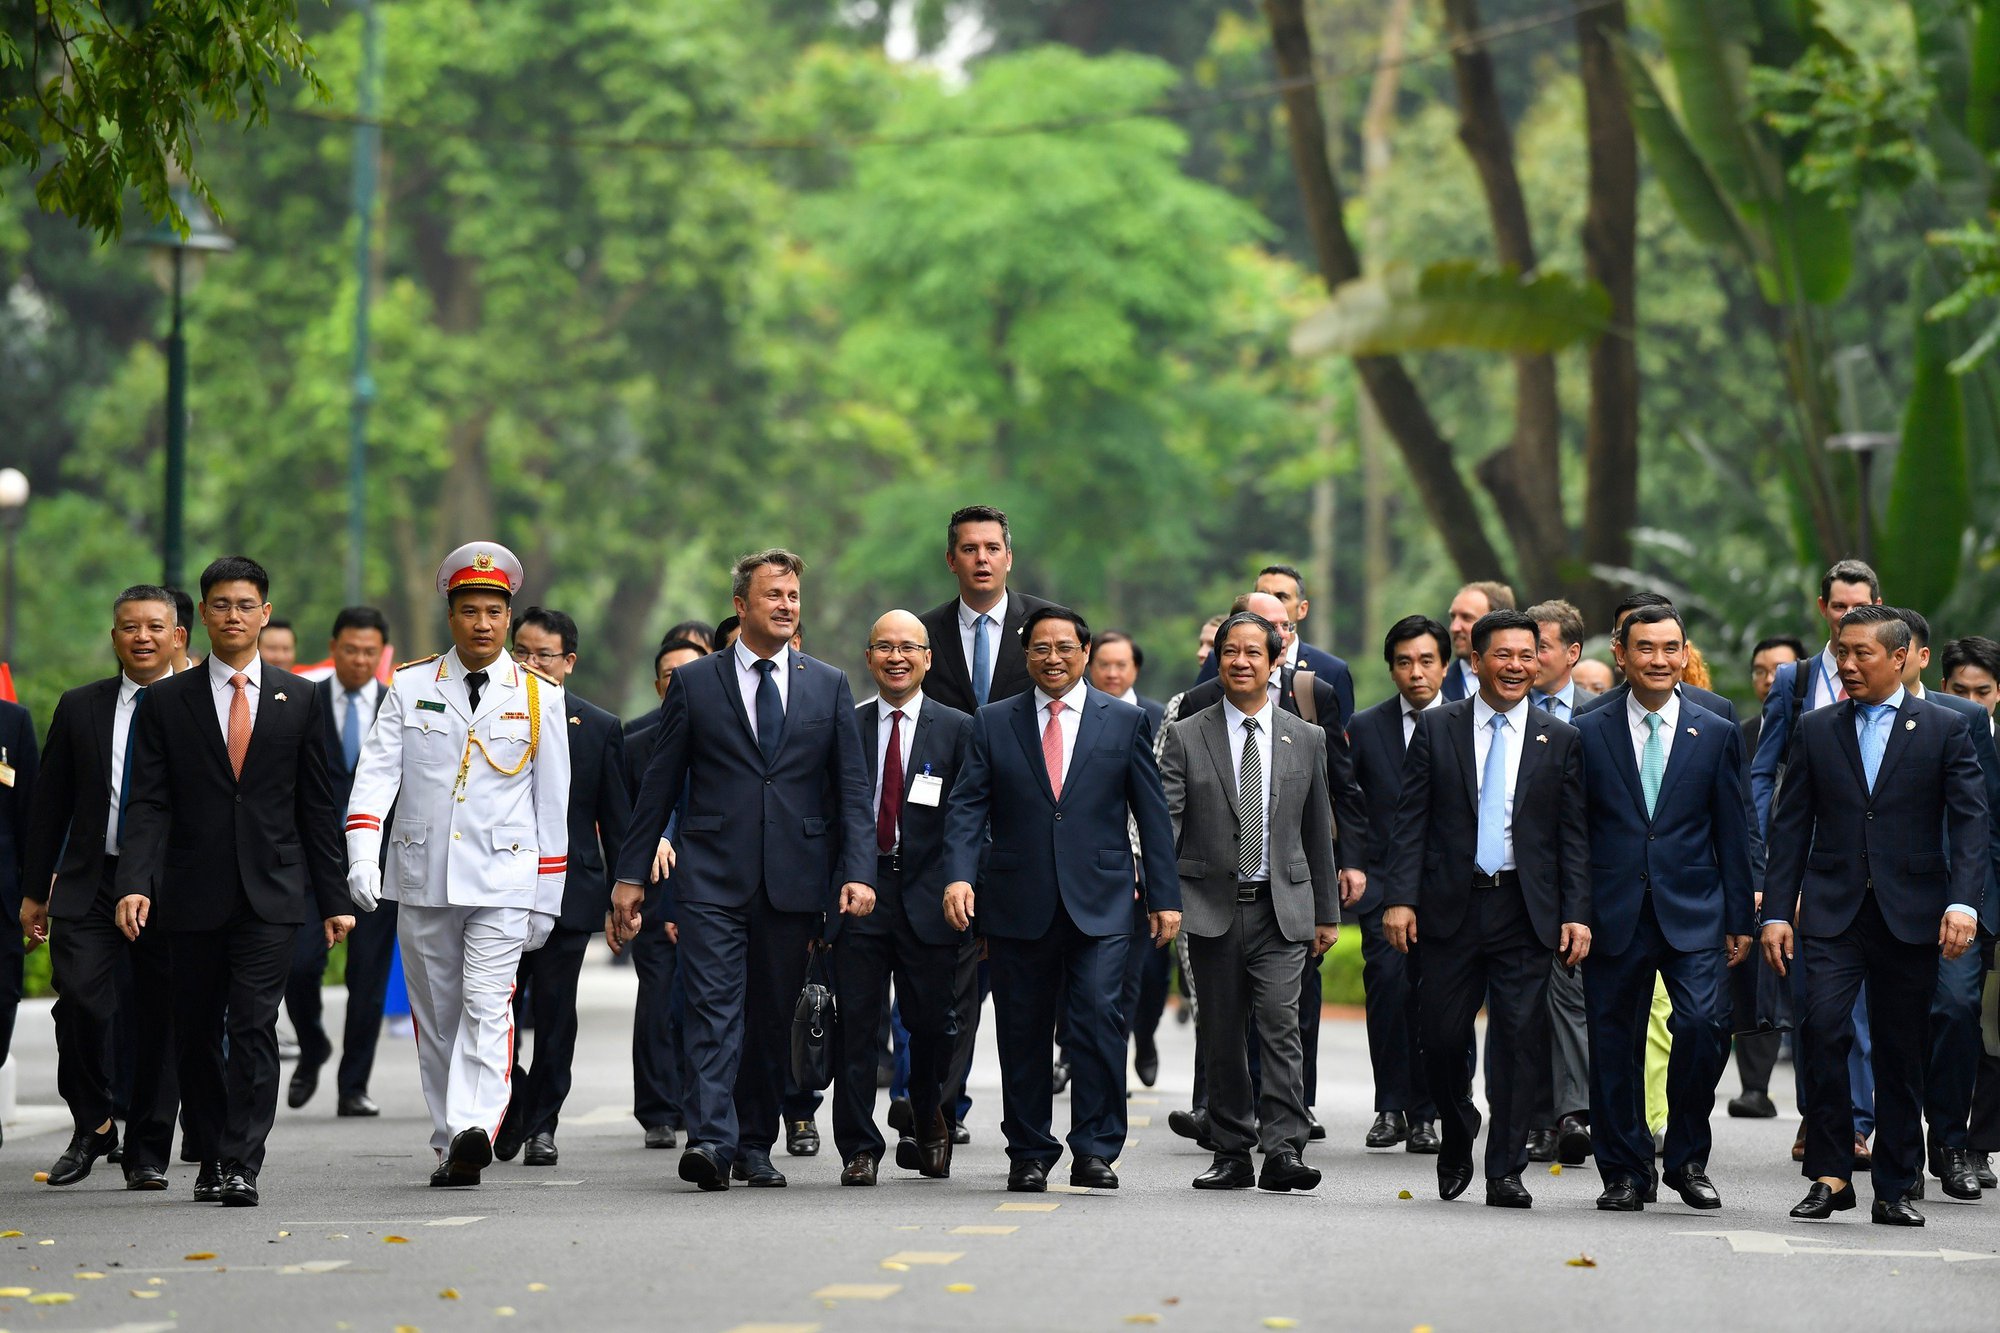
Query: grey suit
(1249,954)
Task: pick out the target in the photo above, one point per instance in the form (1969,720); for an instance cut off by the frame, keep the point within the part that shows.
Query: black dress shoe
(933,1150)
(470,1153)
(1691,1182)
(1620,1196)
(1226,1173)
(305,1077)
(1028,1177)
(704,1167)
(1508,1192)
(208,1183)
(802,1139)
(513,1136)
(1982,1168)
(907,1155)
(860,1170)
(1572,1141)
(902,1116)
(1389,1129)
(145,1178)
(116,1156)
(541,1151)
(1060,1075)
(1192,1125)
(1315,1131)
(239,1187)
(1285,1170)
(1423,1138)
(1094,1173)
(1821,1202)
(1959,1178)
(1146,1063)
(1753,1105)
(661,1136)
(1915,1193)
(359,1104)
(758,1171)
(1541,1145)
(960,1135)
(82,1154)
(1453,1180)
(1898,1214)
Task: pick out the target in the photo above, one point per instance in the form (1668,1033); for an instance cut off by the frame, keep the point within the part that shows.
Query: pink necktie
(239,723)
(1052,748)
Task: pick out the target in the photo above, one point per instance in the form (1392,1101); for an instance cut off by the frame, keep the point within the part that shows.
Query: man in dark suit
(600,813)
(1709,699)
(231,840)
(71,862)
(1879,849)
(1671,897)
(1491,864)
(1246,787)
(915,747)
(1288,585)
(1055,775)
(762,740)
(1468,604)
(18,762)
(976,659)
(348,708)
(1415,648)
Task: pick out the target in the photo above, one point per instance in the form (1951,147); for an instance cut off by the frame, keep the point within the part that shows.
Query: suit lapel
(794,699)
(950,654)
(1010,668)
(1095,705)
(1619,739)
(1692,721)
(867,717)
(733,693)
(1024,705)
(1468,761)
(1214,725)
(1843,735)
(1534,744)
(919,752)
(103,719)
(1901,731)
(269,688)
(201,707)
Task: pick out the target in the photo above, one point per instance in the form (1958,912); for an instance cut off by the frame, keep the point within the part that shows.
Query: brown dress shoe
(1799,1144)
(860,1170)
(1863,1158)
(934,1149)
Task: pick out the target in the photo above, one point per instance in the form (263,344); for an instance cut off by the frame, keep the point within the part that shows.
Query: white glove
(540,926)
(364,884)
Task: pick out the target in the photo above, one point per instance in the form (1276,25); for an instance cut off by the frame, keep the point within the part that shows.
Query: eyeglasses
(904,649)
(541,659)
(248,607)
(1042,652)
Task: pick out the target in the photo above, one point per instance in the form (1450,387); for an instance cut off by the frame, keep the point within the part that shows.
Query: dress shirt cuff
(1963,910)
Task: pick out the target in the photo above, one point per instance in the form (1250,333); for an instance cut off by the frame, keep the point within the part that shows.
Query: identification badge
(926,789)
(7,776)
(430,706)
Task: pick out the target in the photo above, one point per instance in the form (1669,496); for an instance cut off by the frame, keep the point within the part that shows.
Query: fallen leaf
(10,1292)
(448,1294)
(538,1286)
(395,1240)
(90,1277)
(156,1281)
(1581,1261)
(1142,1319)
(44,1242)
(52,1298)
(895,1267)
(1404,1194)
(283,1234)
(503,1310)
(8,1235)
(1170,1300)
(41,1177)
(1281,1321)
(408,1328)
(336,1235)
(1421,1328)
(198,1256)
(1556,1169)
(140,1293)
(961,1288)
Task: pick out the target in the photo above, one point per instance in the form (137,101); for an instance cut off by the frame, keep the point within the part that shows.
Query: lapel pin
(1286,739)
(576,722)
(280,697)
(1910,725)
(1541,740)
(1693,732)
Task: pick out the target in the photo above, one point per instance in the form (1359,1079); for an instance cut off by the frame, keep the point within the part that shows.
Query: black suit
(906,935)
(232,867)
(1870,876)
(17,739)
(1707,699)
(659,1009)
(1489,943)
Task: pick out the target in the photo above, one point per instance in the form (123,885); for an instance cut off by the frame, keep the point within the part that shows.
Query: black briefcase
(814,1021)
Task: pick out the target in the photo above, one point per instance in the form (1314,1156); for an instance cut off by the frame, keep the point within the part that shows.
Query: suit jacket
(600,812)
(1076,850)
(943,737)
(1200,782)
(1832,840)
(1320,662)
(17,737)
(1437,824)
(200,843)
(950,678)
(1708,699)
(1375,740)
(1692,854)
(1979,724)
(1454,687)
(1782,707)
(72,806)
(792,828)
(1155,711)
(338,774)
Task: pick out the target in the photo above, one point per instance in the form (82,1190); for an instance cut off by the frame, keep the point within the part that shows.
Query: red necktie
(890,813)
(1052,748)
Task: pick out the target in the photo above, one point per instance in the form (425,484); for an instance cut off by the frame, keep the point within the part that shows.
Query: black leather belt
(1251,892)
(1506,879)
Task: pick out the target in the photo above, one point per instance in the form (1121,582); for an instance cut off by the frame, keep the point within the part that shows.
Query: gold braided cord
(534,741)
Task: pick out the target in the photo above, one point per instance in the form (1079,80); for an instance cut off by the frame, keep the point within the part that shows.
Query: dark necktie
(125,777)
(475,681)
(770,711)
(889,815)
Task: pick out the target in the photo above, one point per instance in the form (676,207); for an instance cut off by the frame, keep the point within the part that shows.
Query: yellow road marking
(984,1231)
(1027,1208)
(857,1291)
(925,1257)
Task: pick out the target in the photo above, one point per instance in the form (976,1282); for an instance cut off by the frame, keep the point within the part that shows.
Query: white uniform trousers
(460,963)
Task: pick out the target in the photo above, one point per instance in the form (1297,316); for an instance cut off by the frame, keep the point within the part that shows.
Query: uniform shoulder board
(400,666)
(546,680)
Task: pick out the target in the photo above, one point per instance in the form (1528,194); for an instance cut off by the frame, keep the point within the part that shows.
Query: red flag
(7,683)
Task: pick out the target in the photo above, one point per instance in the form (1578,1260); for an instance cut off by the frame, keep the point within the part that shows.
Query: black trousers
(304,1002)
(370,948)
(1493,957)
(1389,979)
(1901,979)
(231,979)
(86,955)
(546,983)
(971,984)
(13,969)
(657,1056)
(870,951)
(1983,1131)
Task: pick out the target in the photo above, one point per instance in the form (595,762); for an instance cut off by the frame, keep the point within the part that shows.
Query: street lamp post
(13,507)
(178,262)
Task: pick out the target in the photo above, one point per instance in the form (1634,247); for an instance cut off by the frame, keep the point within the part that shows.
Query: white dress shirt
(1410,715)
(367,699)
(1069,719)
(1237,735)
(747,676)
(218,680)
(1635,721)
(906,737)
(968,621)
(121,734)
(1825,670)
(1513,734)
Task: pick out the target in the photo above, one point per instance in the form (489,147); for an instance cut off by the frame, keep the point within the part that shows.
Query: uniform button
(516,847)
(454,837)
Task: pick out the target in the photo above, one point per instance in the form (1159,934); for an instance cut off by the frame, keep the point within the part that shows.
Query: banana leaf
(1930,501)
(1454,304)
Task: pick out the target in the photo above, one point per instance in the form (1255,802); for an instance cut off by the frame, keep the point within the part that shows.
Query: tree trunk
(1378,123)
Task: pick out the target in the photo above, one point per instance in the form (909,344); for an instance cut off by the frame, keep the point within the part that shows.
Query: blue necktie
(1492,852)
(982,660)
(125,776)
(1874,739)
(1549,704)
(350,733)
(770,711)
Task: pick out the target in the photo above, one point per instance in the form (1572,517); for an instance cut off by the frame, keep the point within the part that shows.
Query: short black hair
(183,609)
(677,644)
(1041,613)
(1850,571)
(1920,629)
(279,622)
(1274,642)
(724,627)
(1415,627)
(360,617)
(1974,650)
(235,569)
(1484,628)
(142,592)
(1652,615)
(549,621)
(1636,599)
(977,514)
(1891,630)
(1120,636)
(1791,641)
(1289,572)
(699,630)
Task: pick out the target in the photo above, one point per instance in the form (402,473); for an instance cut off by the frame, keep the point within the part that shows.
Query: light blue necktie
(982,660)
(1492,851)
(350,733)
(1874,738)
(1652,763)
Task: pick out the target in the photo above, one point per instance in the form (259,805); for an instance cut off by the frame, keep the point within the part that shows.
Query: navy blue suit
(1458,684)
(1375,740)
(1320,662)
(1055,903)
(763,849)
(1665,889)
(1866,876)
(1708,699)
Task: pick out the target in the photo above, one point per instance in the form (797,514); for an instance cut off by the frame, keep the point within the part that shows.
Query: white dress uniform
(478,850)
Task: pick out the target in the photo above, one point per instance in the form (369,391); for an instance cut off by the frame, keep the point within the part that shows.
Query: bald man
(913,746)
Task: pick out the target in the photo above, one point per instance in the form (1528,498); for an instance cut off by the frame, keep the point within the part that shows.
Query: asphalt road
(350,1237)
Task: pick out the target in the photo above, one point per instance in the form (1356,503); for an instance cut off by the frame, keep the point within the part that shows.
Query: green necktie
(1652,763)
